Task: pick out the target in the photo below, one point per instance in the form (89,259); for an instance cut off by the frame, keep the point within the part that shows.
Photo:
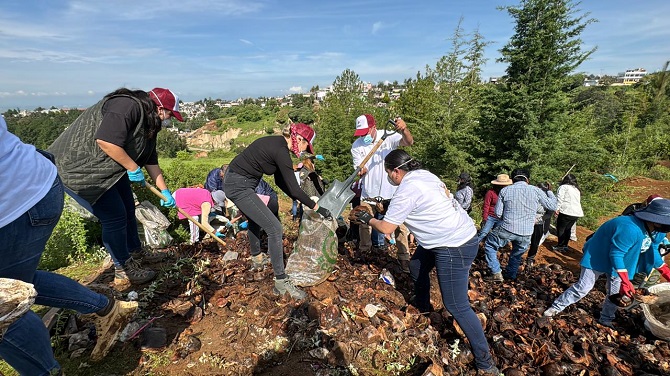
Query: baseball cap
(167,99)
(363,123)
(307,133)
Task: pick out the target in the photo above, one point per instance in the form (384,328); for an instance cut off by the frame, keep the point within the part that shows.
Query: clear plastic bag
(154,225)
(315,252)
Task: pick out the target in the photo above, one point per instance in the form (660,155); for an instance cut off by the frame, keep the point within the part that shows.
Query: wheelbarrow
(339,194)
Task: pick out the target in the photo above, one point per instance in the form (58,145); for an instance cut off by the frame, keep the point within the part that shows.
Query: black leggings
(241,191)
(563,226)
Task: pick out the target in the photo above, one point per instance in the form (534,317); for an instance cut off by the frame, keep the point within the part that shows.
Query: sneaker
(551,312)
(495,277)
(109,326)
(132,273)
(259,261)
(493,371)
(146,254)
(286,286)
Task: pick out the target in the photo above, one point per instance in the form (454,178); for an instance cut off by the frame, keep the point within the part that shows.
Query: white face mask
(367,140)
(391,181)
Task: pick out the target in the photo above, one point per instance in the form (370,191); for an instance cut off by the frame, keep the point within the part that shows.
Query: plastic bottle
(387,277)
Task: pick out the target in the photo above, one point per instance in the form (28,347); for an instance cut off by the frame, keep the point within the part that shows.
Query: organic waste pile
(217,317)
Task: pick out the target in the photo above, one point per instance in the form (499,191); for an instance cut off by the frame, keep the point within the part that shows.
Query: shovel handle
(185,214)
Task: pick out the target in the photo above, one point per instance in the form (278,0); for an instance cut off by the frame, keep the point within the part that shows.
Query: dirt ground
(222,319)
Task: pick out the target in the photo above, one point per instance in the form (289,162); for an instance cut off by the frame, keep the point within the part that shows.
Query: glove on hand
(360,214)
(169,200)
(319,157)
(325,213)
(220,235)
(627,287)
(229,225)
(244,225)
(665,271)
(136,176)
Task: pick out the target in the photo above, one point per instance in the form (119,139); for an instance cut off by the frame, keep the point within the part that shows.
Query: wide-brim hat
(502,179)
(658,211)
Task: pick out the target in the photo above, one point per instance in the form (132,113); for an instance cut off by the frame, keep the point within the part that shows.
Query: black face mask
(662,228)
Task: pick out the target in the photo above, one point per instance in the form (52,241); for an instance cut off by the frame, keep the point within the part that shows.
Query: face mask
(391,181)
(662,228)
(166,123)
(367,140)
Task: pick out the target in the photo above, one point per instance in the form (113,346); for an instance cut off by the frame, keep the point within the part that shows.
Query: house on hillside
(631,76)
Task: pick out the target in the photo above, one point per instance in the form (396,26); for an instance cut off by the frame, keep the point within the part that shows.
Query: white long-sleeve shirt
(569,200)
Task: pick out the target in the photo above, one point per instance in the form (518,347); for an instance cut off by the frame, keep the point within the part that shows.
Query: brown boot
(148,255)
(110,325)
(132,273)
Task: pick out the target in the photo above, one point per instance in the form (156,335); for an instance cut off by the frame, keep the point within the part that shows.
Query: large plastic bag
(16,298)
(658,324)
(154,225)
(315,251)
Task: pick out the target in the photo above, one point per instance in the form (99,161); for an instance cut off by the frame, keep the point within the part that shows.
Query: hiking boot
(146,254)
(404,266)
(495,277)
(530,263)
(259,261)
(551,312)
(286,286)
(132,273)
(109,326)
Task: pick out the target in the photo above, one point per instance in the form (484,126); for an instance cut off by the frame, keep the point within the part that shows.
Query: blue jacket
(622,243)
(214,181)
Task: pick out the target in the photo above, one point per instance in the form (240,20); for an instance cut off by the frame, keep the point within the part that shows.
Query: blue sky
(69,53)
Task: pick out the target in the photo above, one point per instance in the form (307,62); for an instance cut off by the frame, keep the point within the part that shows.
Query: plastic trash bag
(16,298)
(315,252)
(154,226)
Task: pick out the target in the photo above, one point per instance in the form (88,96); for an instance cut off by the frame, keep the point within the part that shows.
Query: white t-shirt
(25,176)
(374,181)
(436,220)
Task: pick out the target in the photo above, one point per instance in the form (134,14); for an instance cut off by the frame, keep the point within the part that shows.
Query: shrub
(67,243)
(659,172)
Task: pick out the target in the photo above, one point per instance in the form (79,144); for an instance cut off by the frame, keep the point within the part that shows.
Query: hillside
(221,319)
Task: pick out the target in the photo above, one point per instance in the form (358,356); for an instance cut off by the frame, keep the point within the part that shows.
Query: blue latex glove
(220,235)
(229,225)
(244,225)
(136,176)
(169,203)
(319,157)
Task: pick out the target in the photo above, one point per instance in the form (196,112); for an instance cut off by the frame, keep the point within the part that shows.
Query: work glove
(665,271)
(627,287)
(136,176)
(220,235)
(325,213)
(360,216)
(244,225)
(169,200)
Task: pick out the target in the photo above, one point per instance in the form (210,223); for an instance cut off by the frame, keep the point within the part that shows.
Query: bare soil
(222,319)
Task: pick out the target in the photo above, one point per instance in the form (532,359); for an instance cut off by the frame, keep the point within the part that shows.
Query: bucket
(651,323)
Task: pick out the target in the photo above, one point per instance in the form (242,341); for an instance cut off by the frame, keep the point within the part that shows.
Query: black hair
(571,180)
(401,160)
(543,186)
(152,123)
(464,180)
(520,174)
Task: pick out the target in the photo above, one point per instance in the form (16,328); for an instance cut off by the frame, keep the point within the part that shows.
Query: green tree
(169,143)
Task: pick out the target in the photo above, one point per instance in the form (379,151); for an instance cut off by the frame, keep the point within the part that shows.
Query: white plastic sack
(154,225)
(658,325)
(16,298)
(315,252)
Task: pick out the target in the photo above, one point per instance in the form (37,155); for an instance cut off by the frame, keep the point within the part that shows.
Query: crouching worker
(447,240)
(619,248)
(198,203)
(25,226)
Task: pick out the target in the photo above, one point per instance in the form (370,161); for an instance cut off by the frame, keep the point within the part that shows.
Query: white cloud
(377,26)
(295,89)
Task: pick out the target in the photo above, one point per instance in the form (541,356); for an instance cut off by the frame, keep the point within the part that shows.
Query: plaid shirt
(517,205)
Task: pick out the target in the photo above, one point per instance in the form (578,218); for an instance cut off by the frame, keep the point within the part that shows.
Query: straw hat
(502,179)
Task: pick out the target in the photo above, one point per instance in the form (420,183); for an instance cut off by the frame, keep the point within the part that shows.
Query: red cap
(363,124)
(652,198)
(306,132)
(167,99)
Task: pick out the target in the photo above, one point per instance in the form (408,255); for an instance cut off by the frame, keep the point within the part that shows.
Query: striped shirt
(517,205)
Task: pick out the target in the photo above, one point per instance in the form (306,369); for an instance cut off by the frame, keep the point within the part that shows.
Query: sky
(70,53)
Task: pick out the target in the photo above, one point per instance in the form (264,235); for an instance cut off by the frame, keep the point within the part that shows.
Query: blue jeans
(26,345)
(587,279)
(488,225)
(453,267)
(116,211)
(378,238)
(498,238)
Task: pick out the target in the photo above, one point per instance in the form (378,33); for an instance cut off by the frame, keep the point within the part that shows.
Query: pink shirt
(191,199)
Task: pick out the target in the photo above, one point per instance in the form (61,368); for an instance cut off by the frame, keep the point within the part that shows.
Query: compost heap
(222,318)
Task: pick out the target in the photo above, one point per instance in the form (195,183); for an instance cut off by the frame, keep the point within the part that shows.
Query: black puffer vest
(83,166)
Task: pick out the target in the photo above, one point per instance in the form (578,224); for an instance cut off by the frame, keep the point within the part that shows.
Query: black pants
(242,192)
(538,231)
(563,226)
